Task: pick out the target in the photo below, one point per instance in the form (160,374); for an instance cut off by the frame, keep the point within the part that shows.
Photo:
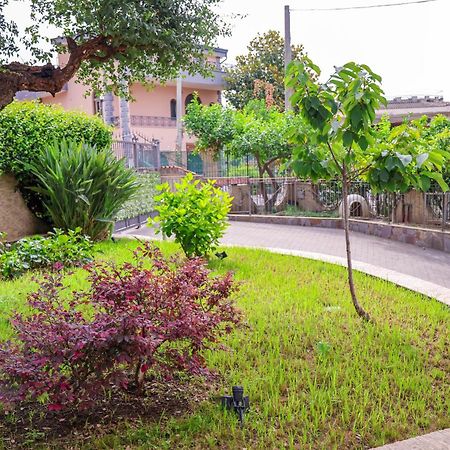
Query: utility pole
(287,54)
(179,105)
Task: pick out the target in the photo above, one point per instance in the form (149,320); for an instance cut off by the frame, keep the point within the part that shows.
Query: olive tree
(110,43)
(341,113)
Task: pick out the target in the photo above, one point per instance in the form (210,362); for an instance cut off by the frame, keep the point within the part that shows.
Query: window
(173,109)
(98,106)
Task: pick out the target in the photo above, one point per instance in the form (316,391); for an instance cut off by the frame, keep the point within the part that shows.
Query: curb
(415,284)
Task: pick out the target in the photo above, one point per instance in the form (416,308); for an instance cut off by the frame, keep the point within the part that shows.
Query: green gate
(195,163)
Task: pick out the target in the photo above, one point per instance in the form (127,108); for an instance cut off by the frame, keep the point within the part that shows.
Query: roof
(415,107)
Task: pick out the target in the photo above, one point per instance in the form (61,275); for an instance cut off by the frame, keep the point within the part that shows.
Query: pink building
(153,114)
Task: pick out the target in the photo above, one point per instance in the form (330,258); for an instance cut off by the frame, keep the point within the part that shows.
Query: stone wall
(16,220)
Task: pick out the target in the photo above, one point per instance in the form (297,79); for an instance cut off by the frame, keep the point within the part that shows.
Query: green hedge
(26,128)
(142,201)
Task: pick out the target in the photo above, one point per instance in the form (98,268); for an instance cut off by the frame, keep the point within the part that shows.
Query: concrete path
(423,270)
(439,440)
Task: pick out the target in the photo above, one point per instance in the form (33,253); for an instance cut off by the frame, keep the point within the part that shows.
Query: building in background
(414,107)
(152,116)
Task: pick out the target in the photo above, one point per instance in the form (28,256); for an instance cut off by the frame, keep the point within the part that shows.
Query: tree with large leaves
(109,43)
(341,113)
(265,62)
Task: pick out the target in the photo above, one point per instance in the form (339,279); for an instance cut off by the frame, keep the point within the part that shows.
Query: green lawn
(317,376)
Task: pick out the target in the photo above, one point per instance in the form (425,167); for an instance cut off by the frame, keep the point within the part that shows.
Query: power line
(364,7)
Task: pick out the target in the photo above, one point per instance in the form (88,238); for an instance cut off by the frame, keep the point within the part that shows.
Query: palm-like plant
(82,186)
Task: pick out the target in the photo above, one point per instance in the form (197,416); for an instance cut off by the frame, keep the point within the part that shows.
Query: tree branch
(15,77)
(341,168)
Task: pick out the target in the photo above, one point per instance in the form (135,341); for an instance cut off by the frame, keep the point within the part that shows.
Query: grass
(317,376)
(292,210)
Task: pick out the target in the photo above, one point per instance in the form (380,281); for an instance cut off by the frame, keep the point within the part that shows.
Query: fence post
(134,150)
(249,197)
(444,210)
(157,150)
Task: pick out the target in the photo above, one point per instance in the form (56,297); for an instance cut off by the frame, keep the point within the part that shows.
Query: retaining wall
(16,220)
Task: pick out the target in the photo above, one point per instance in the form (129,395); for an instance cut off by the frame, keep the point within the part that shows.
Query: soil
(33,426)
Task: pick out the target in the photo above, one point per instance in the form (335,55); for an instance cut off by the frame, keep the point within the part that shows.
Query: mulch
(34,426)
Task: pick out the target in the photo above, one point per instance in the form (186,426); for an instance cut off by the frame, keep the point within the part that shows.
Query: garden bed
(317,376)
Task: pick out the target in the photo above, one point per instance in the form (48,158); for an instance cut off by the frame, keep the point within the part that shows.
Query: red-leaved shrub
(134,318)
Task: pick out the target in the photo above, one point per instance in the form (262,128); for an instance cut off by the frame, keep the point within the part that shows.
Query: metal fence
(437,211)
(210,166)
(138,155)
(294,197)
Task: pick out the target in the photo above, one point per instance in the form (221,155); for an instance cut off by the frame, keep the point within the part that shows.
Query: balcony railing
(150,121)
(153,121)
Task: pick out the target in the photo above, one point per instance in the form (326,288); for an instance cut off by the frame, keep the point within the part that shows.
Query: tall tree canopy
(264,61)
(256,130)
(110,42)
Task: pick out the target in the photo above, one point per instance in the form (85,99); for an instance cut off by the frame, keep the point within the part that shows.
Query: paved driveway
(429,265)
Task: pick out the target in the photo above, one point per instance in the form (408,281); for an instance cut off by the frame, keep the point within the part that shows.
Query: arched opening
(356,209)
(190,98)
(173,109)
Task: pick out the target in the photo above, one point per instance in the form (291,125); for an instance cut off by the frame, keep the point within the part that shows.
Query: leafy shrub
(142,201)
(82,186)
(196,214)
(155,319)
(37,252)
(27,128)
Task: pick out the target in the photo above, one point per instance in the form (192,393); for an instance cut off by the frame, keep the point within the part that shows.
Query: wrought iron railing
(138,155)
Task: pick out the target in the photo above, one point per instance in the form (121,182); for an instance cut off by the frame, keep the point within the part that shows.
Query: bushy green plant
(195,213)
(82,186)
(36,252)
(142,202)
(27,128)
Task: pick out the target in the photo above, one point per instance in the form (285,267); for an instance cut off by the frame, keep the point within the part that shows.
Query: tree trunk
(275,187)
(346,212)
(261,184)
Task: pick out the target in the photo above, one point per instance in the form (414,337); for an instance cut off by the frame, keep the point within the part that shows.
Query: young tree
(341,113)
(257,131)
(264,61)
(110,43)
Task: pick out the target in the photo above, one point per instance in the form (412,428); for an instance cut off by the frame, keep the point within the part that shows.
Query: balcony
(216,81)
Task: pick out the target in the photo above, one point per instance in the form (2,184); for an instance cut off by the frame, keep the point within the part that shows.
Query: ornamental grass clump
(82,186)
(195,213)
(146,316)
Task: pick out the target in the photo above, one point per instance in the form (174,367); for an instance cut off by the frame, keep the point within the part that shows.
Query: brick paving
(423,270)
(425,264)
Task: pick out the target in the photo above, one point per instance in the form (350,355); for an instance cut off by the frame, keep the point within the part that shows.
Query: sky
(407,45)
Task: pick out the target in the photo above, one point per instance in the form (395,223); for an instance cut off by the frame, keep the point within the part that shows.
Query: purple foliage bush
(133,319)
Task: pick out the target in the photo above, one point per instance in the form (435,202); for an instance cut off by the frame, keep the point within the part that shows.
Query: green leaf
(347,138)
(405,159)
(384,175)
(363,143)
(421,159)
